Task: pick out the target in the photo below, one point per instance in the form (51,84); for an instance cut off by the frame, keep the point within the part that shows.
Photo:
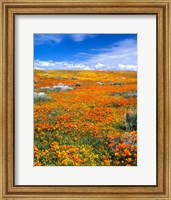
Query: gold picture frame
(10,8)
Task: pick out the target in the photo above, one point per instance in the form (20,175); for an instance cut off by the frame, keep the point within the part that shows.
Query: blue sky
(85,52)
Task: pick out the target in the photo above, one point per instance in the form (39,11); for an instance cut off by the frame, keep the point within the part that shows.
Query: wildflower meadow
(85,118)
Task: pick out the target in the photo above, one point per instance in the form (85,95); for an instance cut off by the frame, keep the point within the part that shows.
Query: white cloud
(87,68)
(78,37)
(99,66)
(124,52)
(81,37)
(40,39)
(119,56)
(64,65)
(127,67)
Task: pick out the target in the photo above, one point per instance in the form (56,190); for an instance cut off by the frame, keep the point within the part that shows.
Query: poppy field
(85,118)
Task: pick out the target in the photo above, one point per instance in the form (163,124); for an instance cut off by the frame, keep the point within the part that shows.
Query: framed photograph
(85,99)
